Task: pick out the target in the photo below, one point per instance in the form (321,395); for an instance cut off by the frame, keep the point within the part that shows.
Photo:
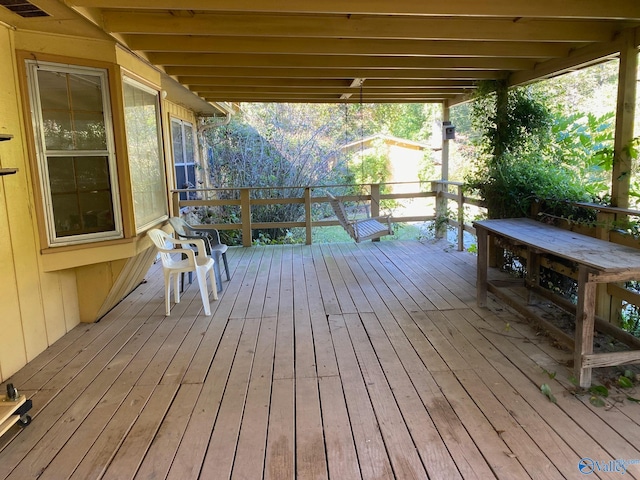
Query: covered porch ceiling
(360,50)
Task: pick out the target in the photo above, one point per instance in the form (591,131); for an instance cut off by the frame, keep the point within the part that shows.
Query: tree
(275,145)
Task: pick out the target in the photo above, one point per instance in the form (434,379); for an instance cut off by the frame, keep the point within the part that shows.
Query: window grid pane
(146,162)
(75,151)
(183,155)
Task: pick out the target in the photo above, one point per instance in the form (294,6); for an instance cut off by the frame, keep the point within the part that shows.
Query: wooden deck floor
(337,361)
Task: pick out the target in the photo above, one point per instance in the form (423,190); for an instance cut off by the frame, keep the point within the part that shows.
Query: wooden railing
(449,208)
(444,193)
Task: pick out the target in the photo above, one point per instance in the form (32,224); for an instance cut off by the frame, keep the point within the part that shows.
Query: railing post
(245,216)
(606,305)
(375,202)
(375,199)
(460,219)
(175,202)
(441,210)
(307,215)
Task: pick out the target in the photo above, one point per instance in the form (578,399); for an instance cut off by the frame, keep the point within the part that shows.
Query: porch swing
(363,229)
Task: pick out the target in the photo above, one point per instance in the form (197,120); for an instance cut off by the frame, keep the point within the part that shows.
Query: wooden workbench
(12,412)
(598,261)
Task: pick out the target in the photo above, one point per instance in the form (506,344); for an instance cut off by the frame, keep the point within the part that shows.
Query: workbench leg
(533,273)
(585,318)
(482,266)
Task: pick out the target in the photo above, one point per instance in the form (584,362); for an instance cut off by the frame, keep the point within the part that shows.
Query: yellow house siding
(74,47)
(48,291)
(33,311)
(12,348)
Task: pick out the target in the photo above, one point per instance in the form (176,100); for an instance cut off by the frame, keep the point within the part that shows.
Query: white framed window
(183,143)
(76,154)
(144,147)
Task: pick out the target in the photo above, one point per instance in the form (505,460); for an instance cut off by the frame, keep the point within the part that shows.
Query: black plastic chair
(212,243)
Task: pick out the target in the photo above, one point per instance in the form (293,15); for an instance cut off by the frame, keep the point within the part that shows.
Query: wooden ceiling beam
(204,91)
(577,59)
(456,28)
(588,9)
(338,61)
(344,46)
(321,99)
(323,83)
(332,73)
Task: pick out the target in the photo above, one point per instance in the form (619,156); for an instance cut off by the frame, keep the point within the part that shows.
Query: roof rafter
(495,8)
(343,46)
(359,27)
(338,61)
(318,49)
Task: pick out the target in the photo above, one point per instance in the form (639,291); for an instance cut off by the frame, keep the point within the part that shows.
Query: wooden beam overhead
(434,28)
(323,83)
(587,9)
(339,61)
(286,98)
(205,91)
(344,46)
(284,49)
(323,73)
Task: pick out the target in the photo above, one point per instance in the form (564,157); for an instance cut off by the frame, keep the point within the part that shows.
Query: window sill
(63,258)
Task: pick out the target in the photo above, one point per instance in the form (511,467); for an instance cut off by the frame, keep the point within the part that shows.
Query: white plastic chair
(212,243)
(190,262)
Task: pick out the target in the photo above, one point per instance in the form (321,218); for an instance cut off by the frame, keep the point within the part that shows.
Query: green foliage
(598,395)
(275,145)
(551,375)
(625,382)
(294,145)
(372,166)
(600,390)
(546,391)
(513,185)
(408,120)
(510,123)
(584,143)
(538,154)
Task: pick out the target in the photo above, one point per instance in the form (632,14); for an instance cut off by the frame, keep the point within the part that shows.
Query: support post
(482,266)
(441,209)
(446,112)
(460,218)
(307,215)
(375,202)
(502,113)
(625,112)
(585,324)
(175,203)
(605,303)
(245,216)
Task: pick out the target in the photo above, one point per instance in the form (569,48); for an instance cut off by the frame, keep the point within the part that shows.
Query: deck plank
(354,361)
(188,460)
(218,461)
(130,455)
(251,450)
(372,454)
(158,459)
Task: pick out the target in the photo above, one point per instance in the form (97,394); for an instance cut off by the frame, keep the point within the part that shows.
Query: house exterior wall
(47,291)
(404,165)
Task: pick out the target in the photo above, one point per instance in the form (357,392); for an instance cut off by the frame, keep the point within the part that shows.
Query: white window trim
(182,123)
(147,89)
(41,153)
